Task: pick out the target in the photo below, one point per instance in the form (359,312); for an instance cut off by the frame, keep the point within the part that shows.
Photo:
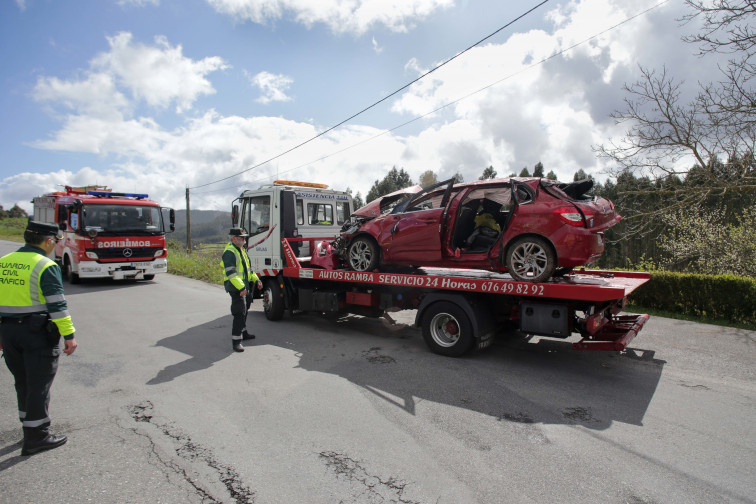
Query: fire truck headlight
(159,253)
(92,255)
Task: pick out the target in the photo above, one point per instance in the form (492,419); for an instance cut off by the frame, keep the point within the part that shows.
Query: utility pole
(188,225)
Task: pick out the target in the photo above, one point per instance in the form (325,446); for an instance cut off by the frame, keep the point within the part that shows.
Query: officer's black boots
(247,336)
(40,439)
(238,347)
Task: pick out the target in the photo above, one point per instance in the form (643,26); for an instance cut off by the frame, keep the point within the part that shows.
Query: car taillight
(570,216)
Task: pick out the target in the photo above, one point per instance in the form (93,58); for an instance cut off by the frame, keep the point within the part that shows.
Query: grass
(690,318)
(12,229)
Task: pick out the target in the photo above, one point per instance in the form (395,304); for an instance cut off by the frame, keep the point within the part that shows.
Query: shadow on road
(205,345)
(528,382)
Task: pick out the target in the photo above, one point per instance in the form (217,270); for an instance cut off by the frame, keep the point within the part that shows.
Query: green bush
(725,297)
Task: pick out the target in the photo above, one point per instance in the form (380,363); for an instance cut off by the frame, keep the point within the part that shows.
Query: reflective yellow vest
(21,292)
(232,273)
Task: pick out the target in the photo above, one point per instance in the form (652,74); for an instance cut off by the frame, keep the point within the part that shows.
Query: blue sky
(159,95)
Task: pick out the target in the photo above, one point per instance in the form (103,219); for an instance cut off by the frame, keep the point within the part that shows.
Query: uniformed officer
(33,316)
(239,280)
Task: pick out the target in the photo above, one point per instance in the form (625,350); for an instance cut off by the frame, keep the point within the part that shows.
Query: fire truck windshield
(131,219)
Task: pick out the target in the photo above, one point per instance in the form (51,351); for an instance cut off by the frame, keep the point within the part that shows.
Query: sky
(219,96)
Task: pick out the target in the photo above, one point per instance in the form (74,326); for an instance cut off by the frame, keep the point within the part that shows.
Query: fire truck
(106,234)
(458,310)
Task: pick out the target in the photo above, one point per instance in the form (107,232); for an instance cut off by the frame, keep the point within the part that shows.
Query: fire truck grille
(128,254)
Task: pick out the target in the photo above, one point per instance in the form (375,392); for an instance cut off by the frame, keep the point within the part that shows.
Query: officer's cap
(43,228)
(238,232)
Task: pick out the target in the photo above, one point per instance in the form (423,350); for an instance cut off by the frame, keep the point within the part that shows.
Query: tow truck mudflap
(614,336)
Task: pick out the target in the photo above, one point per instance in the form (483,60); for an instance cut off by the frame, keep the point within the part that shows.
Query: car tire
(71,277)
(362,254)
(530,259)
(447,329)
(273,301)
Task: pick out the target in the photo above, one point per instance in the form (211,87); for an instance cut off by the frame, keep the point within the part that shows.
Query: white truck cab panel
(288,209)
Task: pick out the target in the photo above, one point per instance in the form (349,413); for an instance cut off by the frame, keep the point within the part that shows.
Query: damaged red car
(532,228)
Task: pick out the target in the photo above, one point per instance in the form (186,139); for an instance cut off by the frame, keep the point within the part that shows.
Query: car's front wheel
(530,259)
(363,254)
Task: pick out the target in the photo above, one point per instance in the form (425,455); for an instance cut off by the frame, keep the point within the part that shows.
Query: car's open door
(413,230)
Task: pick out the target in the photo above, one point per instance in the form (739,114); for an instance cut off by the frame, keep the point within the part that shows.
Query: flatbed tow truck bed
(588,302)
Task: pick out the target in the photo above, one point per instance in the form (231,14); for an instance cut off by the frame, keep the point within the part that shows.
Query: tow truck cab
(288,209)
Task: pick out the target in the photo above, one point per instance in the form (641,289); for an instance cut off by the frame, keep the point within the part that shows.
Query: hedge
(715,296)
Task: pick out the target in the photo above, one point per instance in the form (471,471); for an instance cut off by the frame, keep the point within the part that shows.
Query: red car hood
(375,207)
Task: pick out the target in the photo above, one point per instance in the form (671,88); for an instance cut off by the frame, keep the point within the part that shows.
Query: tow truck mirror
(62,225)
(172,218)
(234,215)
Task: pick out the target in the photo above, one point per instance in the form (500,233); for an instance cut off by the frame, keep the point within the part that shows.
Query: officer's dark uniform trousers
(33,361)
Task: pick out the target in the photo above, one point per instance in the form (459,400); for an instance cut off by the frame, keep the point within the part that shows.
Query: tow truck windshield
(120,219)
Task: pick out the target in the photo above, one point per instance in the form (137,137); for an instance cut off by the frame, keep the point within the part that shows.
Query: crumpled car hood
(375,207)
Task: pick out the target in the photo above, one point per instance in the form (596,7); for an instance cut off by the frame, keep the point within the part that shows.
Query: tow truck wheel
(71,277)
(363,254)
(447,329)
(273,302)
(530,259)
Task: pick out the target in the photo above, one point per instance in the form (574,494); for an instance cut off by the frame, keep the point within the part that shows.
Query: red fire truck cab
(106,234)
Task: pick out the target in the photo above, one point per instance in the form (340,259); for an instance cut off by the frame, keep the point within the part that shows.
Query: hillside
(208,226)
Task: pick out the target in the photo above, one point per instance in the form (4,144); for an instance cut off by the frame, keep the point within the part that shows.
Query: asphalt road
(158,409)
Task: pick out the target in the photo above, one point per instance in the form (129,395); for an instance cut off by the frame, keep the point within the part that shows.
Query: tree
(538,170)
(581,175)
(427,178)
(716,129)
(551,175)
(393,181)
(356,199)
(17,211)
(488,173)
(458,178)
(525,172)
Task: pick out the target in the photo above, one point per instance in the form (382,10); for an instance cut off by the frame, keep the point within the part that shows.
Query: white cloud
(21,5)
(272,86)
(378,49)
(553,113)
(341,16)
(159,74)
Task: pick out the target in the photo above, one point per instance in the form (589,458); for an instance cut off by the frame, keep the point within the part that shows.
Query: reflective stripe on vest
(21,293)
(232,274)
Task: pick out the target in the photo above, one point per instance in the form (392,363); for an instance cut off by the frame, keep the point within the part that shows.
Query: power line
(448,104)
(379,101)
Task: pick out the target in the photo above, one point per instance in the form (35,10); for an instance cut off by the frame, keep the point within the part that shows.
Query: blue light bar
(105,194)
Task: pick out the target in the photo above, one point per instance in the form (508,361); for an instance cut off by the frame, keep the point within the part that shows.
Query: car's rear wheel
(363,254)
(530,259)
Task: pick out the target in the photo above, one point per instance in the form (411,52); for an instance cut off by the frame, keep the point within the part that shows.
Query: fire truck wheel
(530,259)
(273,301)
(71,277)
(447,329)
(363,254)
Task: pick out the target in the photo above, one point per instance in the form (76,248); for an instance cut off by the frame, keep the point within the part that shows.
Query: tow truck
(458,310)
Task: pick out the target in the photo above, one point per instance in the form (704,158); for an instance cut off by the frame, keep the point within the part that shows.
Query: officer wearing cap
(33,317)
(238,279)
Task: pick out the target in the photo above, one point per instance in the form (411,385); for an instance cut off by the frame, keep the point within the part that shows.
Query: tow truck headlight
(92,255)
(159,253)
